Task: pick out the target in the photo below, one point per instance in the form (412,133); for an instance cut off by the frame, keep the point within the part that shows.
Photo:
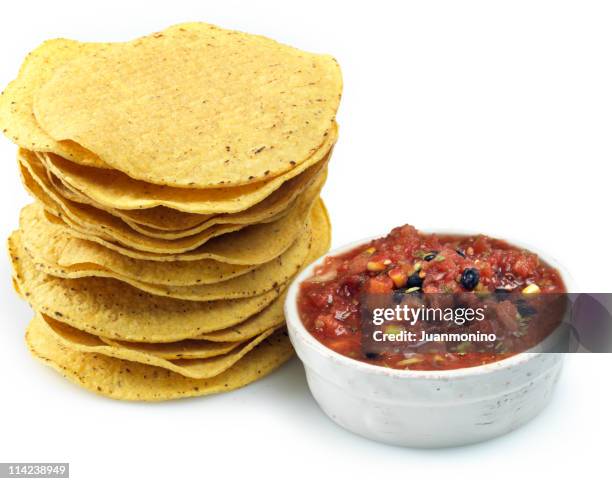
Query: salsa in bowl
(407,265)
(451,396)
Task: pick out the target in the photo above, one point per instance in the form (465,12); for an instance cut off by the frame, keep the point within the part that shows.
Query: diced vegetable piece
(531,289)
(376,266)
(398,276)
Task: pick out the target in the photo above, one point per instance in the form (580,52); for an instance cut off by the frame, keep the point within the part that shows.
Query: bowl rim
(297,328)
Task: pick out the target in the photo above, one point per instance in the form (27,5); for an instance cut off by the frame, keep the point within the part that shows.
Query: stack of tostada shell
(176,180)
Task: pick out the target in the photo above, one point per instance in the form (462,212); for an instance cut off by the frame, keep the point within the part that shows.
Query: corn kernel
(409,361)
(531,289)
(370,250)
(375,266)
(392,329)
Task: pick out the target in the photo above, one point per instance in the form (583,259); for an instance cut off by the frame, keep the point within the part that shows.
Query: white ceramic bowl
(423,408)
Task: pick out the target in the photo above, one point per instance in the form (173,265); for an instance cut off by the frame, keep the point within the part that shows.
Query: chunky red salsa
(409,262)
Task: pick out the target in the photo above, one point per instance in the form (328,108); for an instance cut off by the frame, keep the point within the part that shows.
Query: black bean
(460,252)
(524,309)
(430,255)
(370,355)
(470,278)
(414,281)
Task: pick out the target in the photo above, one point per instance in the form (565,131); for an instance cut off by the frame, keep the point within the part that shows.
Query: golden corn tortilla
(102,224)
(244,108)
(74,253)
(180,350)
(273,314)
(254,244)
(124,236)
(51,243)
(44,243)
(114,189)
(157,218)
(121,226)
(191,368)
(17,119)
(270,317)
(112,309)
(126,380)
(115,232)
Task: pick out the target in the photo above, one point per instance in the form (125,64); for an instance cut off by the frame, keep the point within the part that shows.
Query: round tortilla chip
(73,252)
(254,244)
(244,108)
(274,313)
(114,189)
(81,341)
(123,226)
(114,309)
(180,350)
(126,380)
(157,218)
(102,224)
(127,240)
(45,246)
(115,233)
(269,317)
(53,244)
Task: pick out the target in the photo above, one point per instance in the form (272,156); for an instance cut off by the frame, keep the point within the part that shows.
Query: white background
(492,115)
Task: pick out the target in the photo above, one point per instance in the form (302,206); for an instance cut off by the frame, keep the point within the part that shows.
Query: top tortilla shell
(220,107)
